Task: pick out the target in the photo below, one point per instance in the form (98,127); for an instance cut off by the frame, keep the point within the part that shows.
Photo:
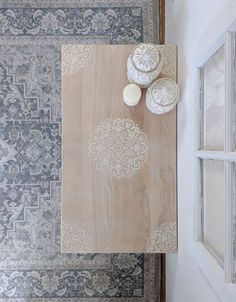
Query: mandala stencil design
(168,56)
(119,146)
(163,240)
(75,238)
(74,58)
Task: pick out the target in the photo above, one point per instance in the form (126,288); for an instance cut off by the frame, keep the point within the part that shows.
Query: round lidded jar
(131,94)
(144,65)
(162,96)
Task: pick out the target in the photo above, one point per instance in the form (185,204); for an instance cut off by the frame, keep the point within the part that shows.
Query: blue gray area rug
(31,266)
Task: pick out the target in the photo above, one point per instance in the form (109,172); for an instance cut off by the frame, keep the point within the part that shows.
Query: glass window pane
(213,208)
(234,106)
(214,102)
(234,122)
(234,221)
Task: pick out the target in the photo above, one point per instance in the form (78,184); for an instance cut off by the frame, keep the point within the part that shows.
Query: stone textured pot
(162,96)
(144,65)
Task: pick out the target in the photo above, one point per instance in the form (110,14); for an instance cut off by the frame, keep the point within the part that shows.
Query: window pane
(234,123)
(234,106)
(214,102)
(213,208)
(234,221)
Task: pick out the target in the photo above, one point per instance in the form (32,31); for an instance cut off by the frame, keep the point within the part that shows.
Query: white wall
(193,25)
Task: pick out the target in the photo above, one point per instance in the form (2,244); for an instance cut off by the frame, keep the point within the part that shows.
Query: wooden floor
(162,21)
(162,41)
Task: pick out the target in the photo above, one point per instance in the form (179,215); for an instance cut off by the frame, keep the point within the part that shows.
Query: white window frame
(220,278)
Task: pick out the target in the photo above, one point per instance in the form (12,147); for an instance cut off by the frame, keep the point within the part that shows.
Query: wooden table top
(119,162)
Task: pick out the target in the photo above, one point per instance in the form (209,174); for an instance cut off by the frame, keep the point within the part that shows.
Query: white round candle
(131,94)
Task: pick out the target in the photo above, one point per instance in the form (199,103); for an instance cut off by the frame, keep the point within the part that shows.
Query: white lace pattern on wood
(74,239)
(118,146)
(74,58)
(163,240)
(168,57)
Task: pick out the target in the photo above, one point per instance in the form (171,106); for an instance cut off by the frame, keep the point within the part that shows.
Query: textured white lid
(164,92)
(146,57)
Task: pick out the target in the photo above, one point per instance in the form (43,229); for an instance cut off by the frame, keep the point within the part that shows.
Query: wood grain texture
(100,212)
(162,21)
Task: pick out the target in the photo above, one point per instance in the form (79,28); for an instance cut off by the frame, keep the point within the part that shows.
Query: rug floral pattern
(31,265)
(121,23)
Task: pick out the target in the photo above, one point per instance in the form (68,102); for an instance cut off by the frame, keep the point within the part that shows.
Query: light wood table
(119,163)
